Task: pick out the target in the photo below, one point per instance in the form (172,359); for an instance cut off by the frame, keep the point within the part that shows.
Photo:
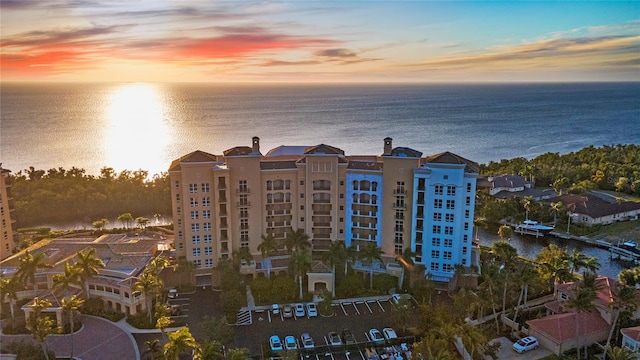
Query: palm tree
(9,289)
(41,328)
(163,323)
(368,255)
(505,232)
(148,285)
(88,263)
(179,342)
(297,241)
(66,280)
(508,255)
(526,275)
(577,260)
(619,353)
(157,264)
(268,247)
(624,299)
(337,255)
(527,203)
(591,264)
(126,218)
(554,265)
(556,208)
(582,302)
(154,350)
(29,265)
(299,264)
(142,222)
(71,305)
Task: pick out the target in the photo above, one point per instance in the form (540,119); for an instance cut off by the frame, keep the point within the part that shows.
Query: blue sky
(320,41)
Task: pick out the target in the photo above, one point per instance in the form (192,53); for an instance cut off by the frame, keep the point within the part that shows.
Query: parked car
(403,300)
(299,308)
(275,309)
(348,337)
(312,310)
(175,310)
(287,311)
(290,343)
(376,336)
(525,344)
(389,333)
(173,293)
(334,339)
(307,341)
(275,343)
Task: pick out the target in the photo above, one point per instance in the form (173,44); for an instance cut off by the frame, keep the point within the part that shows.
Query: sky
(319,41)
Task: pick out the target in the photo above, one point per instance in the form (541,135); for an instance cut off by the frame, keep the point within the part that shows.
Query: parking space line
(343,310)
(269,315)
(381,307)
(368,307)
(355,307)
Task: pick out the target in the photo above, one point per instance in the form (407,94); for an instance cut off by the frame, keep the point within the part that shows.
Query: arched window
(374,186)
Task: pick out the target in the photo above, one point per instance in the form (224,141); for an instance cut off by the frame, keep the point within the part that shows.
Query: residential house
(631,339)
(590,210)
(506,186)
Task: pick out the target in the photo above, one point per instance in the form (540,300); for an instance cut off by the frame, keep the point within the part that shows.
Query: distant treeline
(60,196)
(615,167)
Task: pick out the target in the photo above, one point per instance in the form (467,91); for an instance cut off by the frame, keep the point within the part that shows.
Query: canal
(529,246)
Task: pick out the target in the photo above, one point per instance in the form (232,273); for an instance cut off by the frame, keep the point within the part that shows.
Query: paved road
(506,351)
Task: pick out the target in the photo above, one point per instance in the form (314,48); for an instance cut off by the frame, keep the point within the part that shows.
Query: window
(177,184)
(399,215)
(179,210)
(244,238)
(465,238)
(437,203)
(466,226)
(468,187)
(207,239)
(447,267)
(466,214)
(208,250)
(242,186)
(244,200)
(464,250)
(448,217)
(206,201)
(205,187)
(468,201)
(448,230)
(451,204)
(197,263)
(435,267)
(244,224)
(438,189)
(196,251)
(195,227)
(448,243)
(195,239)
(193,202)
(206,226)
(451,190)
(399,237)
(206,214)
(445,177)
(194,214)
(399,225)
(435,254)
(436,229)
(193,188)
(397,249)
(244,213)
(435,241)
(208,263)
(447,255)
(437,216)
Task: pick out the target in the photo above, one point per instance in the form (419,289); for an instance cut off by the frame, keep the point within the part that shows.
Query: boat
(626,251)
(530,227)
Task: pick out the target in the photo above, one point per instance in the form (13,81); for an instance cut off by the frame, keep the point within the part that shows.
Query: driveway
(506,351)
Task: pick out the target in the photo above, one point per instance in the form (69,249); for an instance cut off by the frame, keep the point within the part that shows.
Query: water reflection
(529,247)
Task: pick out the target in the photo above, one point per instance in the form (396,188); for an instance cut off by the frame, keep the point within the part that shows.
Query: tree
(623,299)
(148,285)
(297,241)
(157,264)
(591,264)
(163,323)
(556,209)
(99,225)
(368,255)
(184,266)
(66,280)
(88,263)
(337,255)
(179,342)
(41,327)
(508,255)
(142,222)
(126,219)
(581,300)
(527,203)
(300,263)
(154,349)
(29,265)
(554,265)
(505,232)
(268,247)
(619,353)
(9,289)
(577,260)
(71,305)
(559,184)
(526,275)
(218,331)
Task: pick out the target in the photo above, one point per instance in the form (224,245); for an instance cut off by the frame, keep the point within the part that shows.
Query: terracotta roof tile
(562,327)
(632,332)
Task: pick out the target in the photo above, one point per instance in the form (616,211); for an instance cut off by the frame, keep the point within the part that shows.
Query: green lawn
(618,229)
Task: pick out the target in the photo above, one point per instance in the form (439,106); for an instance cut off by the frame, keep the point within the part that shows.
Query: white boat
(530,227)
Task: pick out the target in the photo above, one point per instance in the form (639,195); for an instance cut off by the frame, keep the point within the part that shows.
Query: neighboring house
(590,210)
(506,186)
(124,258)
(557,330)
(631,339)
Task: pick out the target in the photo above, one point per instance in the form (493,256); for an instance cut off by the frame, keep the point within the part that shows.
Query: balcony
(398,206)
(243,204)
(242,191)
(400,192)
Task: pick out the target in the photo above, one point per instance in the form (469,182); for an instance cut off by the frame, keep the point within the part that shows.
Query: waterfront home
(589,209)
(505,186)
(631,339)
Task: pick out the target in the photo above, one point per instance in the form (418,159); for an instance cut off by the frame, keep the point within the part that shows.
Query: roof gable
(324,149)
(193,157)
(451,158)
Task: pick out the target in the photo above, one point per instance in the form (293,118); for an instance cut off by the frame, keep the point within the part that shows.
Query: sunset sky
(319,41)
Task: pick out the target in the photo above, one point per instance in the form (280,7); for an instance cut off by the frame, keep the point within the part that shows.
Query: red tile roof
(632,332)
(562,327)
(593,206)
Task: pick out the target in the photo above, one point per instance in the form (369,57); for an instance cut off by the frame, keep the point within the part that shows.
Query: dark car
(347,337)
(334,339)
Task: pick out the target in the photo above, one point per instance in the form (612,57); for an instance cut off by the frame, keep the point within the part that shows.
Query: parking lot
(357,315)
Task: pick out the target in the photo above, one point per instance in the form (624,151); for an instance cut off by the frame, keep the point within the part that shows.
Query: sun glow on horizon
(136,126)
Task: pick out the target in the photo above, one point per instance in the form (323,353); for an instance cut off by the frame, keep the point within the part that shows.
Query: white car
(307,341)
(173,293)
(299,310)
(275,343)
(376,336)
(389,333)
(275,309)
(312,310)
(334,339)
(290,343)
(525,344)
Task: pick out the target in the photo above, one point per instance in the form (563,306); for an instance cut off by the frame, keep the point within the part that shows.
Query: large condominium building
(7,243)
(398,200)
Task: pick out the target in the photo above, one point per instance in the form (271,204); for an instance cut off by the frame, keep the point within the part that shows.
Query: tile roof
(238,151)
(632,332)
(593,206)
(287,150)
(193,157)
(562,327)
(365,165)
(451,158)
(405,152)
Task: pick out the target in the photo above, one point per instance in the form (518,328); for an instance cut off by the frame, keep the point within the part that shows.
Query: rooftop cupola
(255,147)
(388,146)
